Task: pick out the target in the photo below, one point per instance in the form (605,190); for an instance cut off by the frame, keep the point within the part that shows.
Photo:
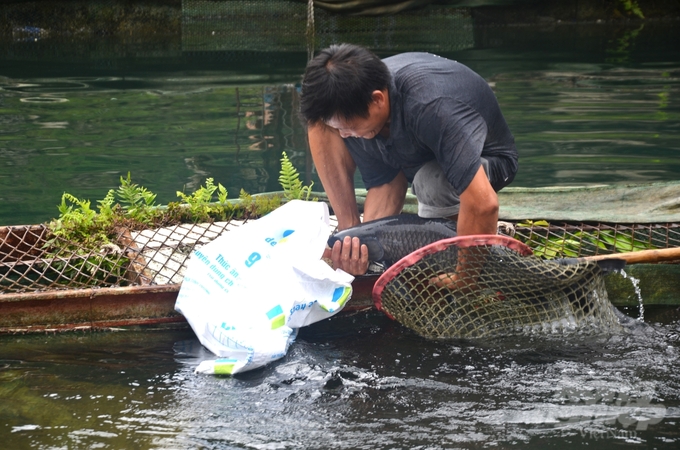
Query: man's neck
(385,131)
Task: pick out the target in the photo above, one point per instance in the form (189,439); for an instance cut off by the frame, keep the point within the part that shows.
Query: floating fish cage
(284,25)
(51,284)
(134,275)
(32,259)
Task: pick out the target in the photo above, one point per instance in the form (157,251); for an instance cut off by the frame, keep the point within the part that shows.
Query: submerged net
(474,287)
(291,26)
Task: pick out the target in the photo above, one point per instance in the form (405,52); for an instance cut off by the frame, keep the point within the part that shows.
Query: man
(413,117)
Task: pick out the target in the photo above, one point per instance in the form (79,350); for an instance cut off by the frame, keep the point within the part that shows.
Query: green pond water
(588,104)
(359,382)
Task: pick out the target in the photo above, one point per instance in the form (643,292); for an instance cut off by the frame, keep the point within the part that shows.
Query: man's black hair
(339,82)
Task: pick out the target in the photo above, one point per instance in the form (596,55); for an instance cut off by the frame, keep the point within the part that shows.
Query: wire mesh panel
(33,259)
(560,239)
(473,287)
(287,26)
(254,25)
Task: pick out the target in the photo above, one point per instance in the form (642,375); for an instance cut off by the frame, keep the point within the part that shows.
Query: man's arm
(478,215)
(336,168)
(478,207)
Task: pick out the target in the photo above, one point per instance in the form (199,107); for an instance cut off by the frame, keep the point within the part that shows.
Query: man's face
(365,127)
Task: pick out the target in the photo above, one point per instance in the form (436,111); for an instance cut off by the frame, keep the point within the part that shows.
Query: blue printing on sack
(275,311)
(275,315)
(340,296)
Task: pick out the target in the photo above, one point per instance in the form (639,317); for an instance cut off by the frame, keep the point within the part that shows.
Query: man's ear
(378,96)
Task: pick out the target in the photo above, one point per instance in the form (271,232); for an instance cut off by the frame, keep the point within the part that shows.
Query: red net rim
(459,241)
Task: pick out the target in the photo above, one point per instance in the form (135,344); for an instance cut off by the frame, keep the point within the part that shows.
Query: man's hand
(463,280)
(350,256)
(478,215)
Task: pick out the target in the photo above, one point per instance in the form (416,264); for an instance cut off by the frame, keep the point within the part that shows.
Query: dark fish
(391,238)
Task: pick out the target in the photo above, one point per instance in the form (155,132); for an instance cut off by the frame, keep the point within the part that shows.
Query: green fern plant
(106,205)
(200,201)
(137,201)
(632,7)
(290,181)
(90,235)
(82,232)
(77,220)
(76,208)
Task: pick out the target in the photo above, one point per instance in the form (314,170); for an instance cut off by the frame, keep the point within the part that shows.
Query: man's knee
(436,197)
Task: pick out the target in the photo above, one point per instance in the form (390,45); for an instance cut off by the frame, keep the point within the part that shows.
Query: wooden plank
(59,310)
(88,307)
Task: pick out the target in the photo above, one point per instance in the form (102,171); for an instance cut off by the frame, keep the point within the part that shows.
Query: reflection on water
(585,124)
(349,382)
(170,132)
(579,115)
(574,124)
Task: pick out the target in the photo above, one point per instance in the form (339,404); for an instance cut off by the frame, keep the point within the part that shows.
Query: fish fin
(376,252)
(376,267)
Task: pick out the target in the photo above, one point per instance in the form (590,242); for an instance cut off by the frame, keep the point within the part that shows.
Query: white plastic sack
(246,293)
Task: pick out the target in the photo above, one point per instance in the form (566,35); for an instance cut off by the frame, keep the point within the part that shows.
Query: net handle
(458,241)
(640,256)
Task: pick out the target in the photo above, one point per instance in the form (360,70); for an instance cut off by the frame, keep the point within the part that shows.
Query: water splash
(638,293)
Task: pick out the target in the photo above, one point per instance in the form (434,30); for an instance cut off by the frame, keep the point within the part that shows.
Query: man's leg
(436,197)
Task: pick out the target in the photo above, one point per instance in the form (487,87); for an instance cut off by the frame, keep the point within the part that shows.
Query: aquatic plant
(79,249)
(571,245)
(85,244)
(137,201)
(200,202)
(632,7)
(290,181)
(77,220)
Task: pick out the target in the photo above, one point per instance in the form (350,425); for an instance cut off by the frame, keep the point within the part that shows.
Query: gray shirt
(439,109)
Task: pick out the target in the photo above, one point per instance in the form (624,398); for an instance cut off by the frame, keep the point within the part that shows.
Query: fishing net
(487,286)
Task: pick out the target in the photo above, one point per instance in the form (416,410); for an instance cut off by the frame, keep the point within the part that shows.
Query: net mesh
(289,26)
(33,259)
(563,239)
(477,287)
